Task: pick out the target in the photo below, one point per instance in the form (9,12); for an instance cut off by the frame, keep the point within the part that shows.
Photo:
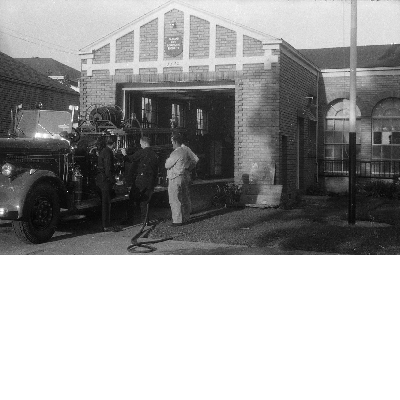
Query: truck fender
(25,182)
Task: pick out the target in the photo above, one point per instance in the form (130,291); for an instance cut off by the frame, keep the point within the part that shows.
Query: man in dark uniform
(105,180)
(143,175)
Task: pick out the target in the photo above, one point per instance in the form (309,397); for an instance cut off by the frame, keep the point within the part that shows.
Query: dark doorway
(205,117)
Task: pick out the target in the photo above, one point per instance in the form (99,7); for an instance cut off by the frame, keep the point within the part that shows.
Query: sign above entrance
(173,45)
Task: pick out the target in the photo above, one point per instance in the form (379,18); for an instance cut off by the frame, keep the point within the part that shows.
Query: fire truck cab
(49,167)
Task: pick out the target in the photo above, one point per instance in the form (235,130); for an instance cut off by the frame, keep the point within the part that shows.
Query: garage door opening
(205,117)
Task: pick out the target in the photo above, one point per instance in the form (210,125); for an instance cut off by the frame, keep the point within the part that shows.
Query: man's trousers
(179,198)
(138,200)
(106,205)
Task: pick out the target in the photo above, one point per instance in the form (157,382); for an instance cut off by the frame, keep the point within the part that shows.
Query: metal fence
(365,169)
(209,76)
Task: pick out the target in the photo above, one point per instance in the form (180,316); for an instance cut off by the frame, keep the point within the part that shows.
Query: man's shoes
(112,229)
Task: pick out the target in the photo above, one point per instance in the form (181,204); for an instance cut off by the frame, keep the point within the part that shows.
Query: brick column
(256,121)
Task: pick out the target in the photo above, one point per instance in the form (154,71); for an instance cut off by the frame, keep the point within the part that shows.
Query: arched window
(337,133)
(386,130)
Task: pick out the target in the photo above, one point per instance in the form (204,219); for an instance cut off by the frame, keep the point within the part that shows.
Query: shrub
(379,188)
(317,189)
(227,195)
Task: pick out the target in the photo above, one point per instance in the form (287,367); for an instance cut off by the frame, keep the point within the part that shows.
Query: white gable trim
(135,65)
(184,64)
(160,11)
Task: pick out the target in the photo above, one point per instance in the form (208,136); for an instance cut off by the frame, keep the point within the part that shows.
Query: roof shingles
(14,70)
(50,67)
(367,56)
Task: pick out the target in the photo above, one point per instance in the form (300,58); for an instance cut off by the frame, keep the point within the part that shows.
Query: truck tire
(41,214)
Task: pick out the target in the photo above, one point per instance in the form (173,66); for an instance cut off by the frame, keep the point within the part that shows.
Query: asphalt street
(84,236)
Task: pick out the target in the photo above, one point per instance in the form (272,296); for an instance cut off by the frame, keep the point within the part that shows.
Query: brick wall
(256,119)
(199,46)
(295,84)
(225,42)
(123,72)
(14,93)
(199,69)
(102,55)
(252,47)
(99,89)
(149,41)
(124,51)
(172,70)
(224,68)
(144,71)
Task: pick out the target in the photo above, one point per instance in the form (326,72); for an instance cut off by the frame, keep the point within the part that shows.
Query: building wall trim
(345,72)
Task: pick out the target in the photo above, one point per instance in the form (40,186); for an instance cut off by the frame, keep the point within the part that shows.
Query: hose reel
(105,117)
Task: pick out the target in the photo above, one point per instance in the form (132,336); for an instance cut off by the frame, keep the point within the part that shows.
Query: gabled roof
(16,71)
(175,4)
(373,56)
(50,67)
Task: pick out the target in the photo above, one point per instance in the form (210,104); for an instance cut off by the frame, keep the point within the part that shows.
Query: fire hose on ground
(140,243)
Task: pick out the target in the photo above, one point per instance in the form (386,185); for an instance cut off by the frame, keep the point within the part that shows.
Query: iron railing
(130,137)
(209,76)
(158,136)
(365,169)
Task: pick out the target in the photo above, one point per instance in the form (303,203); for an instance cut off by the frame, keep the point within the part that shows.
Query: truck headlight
(8,169)
(3,211)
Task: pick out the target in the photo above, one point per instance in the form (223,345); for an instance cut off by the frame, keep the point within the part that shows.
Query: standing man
(179,166)
(143,175)
(105,180)
(194,158)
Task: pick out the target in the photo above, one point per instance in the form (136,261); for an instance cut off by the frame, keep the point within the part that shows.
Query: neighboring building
(55,70)
(378,113)
(20,84)
(252,105)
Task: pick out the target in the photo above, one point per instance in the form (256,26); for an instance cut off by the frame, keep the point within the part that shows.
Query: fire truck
(48,167)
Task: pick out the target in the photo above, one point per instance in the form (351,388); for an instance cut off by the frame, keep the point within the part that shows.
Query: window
(149,112)
(178,115)
(337,136)
(202,123)
(386,130)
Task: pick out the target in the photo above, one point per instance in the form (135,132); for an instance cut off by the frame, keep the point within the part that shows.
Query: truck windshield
(52,123)
(42,124)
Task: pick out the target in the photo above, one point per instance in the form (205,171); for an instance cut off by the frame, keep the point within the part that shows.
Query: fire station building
(252,106)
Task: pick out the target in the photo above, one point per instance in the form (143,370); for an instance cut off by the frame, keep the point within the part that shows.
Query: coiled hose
(145,246)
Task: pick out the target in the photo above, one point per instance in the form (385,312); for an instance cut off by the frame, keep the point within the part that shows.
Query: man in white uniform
(179,166)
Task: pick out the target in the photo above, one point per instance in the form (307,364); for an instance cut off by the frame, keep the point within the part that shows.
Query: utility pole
(352,119)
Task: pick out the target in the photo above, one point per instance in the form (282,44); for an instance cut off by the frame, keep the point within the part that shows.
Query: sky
(58,29)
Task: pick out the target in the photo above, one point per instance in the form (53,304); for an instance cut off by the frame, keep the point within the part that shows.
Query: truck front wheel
(42,210)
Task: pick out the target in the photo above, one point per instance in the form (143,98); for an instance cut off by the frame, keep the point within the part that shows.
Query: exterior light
(3,211)
(7,169)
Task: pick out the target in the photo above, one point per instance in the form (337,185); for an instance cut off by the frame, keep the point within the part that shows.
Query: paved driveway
(84,237)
